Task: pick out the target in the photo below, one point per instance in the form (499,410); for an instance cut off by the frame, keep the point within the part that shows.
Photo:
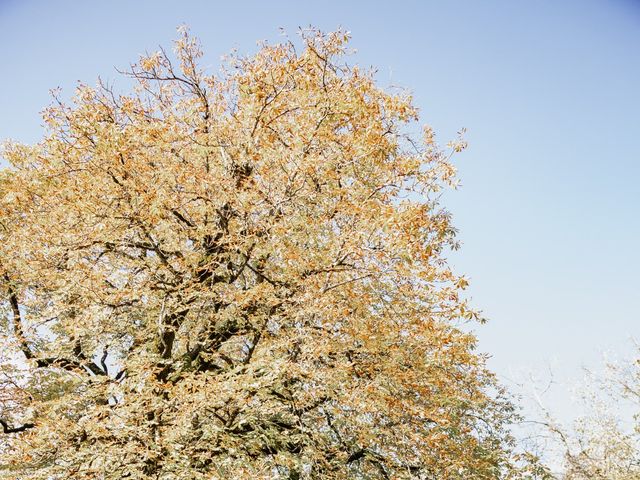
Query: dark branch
(70,365)
(7,429)
(182,218)
(64,363)
(103,360)
(17,319)
(357,455)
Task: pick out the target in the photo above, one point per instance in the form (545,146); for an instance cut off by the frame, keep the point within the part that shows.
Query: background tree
(604,443)
(239,276)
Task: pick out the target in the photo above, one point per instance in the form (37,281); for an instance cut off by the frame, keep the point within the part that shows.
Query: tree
(604,444)
(239,276)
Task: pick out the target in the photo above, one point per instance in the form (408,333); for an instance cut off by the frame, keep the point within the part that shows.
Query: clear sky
(549,212)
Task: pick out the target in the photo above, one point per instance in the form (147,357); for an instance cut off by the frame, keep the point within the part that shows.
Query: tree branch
(7,429)
(17,319)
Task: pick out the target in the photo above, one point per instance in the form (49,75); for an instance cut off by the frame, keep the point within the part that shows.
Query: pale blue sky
(549,210)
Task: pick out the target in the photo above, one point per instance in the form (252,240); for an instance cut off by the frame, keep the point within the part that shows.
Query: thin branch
(7,429)
(17,319)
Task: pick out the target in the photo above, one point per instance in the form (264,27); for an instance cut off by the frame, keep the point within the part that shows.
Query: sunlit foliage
(239,276)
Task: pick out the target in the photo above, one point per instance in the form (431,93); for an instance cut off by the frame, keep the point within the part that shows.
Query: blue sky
(549,212)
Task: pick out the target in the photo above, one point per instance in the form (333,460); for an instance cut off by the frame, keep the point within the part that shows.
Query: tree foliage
(239,275)
(604,443)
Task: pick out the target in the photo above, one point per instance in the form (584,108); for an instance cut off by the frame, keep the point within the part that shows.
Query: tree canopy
(239,275)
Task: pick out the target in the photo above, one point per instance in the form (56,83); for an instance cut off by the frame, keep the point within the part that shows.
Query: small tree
(238,276)
(604,443)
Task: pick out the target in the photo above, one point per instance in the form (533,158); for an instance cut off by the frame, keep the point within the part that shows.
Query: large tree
(238,276)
